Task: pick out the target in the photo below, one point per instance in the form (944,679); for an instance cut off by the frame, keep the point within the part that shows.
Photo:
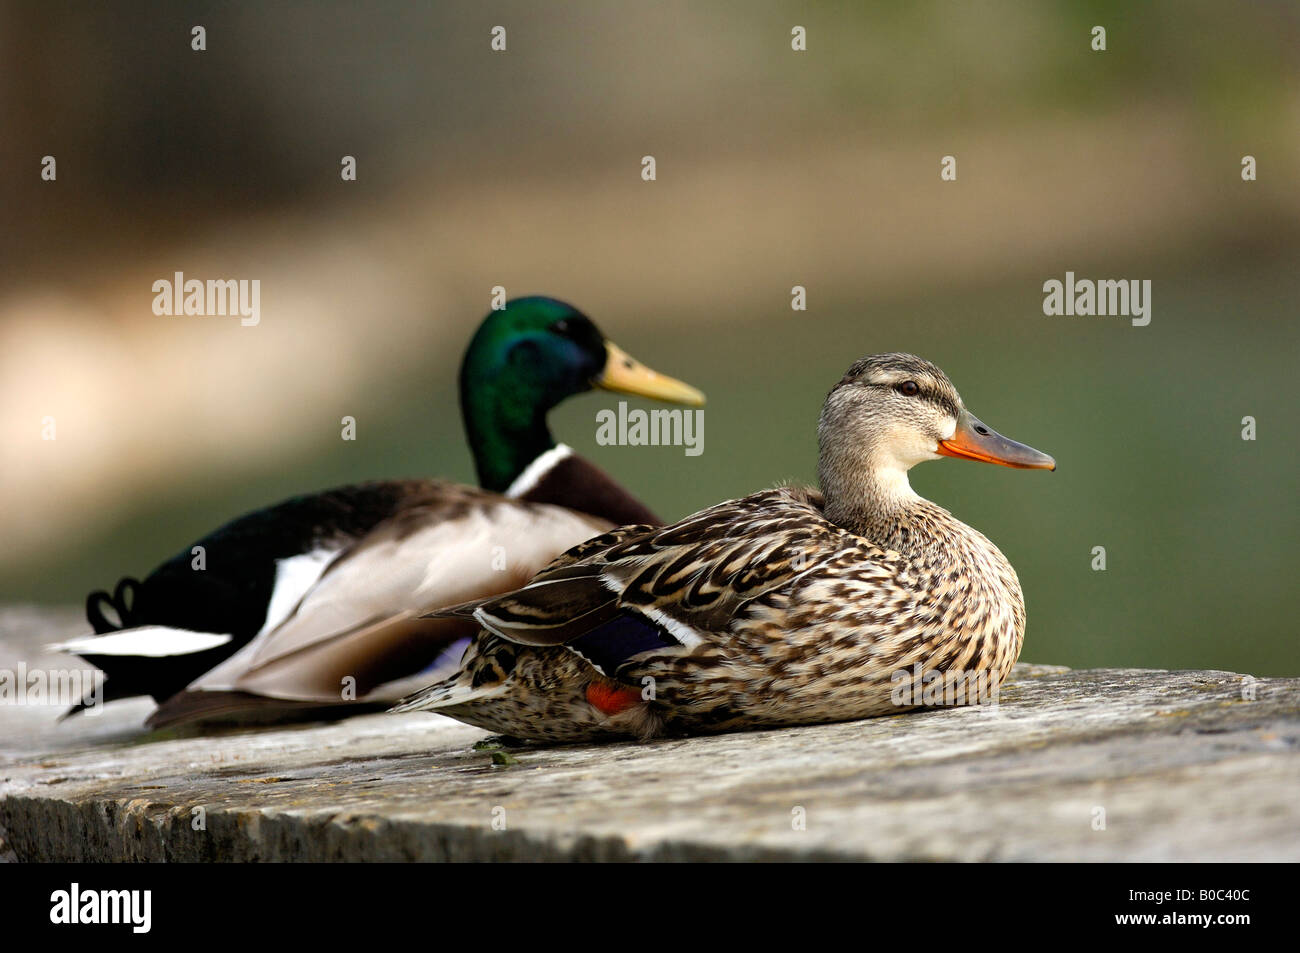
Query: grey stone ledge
(1184,765)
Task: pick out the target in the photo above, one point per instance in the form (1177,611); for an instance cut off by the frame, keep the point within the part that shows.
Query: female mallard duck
(782,608)
(298,598)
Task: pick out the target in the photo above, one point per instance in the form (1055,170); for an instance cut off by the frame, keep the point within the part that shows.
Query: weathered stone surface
(1184,767)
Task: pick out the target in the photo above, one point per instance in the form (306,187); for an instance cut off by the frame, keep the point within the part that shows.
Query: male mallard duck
(297,597)
(781,608)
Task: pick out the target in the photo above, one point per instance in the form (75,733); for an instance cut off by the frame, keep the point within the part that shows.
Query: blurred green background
(775,169)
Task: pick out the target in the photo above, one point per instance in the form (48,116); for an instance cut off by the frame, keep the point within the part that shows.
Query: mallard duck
(787,607)
(296,599)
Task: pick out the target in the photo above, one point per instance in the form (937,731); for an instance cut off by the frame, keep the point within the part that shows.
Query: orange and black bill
(974,440)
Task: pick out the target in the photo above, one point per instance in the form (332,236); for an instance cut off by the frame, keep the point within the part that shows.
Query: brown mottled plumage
(784,607)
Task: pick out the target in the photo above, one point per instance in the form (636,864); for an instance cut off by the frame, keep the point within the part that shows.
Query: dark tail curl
(122,602)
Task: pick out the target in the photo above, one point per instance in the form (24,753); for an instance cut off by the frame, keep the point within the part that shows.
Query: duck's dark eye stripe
(581,331)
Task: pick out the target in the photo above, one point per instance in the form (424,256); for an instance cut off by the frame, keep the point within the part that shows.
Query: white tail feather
(151,641)
(446,693)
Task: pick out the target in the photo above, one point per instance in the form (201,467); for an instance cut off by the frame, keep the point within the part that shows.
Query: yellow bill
(625,374)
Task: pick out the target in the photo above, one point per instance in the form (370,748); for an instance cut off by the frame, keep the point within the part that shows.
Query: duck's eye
(561,326)
(908,388)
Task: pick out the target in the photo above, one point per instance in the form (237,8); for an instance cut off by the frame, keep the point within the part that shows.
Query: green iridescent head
(526,358)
